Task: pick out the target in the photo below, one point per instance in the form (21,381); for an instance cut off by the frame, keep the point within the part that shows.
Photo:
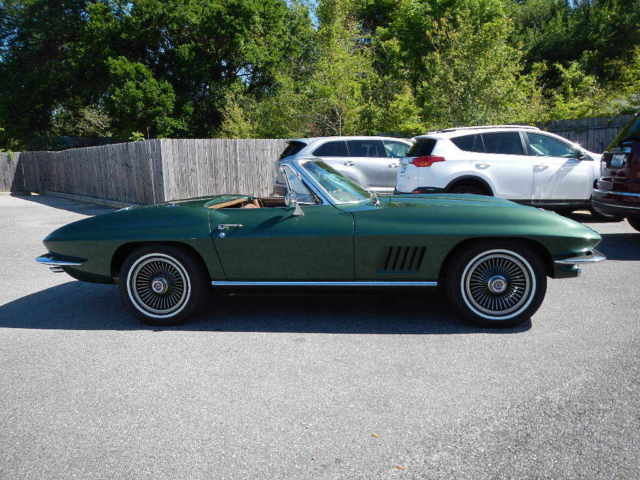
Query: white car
(371,161)
(516,162)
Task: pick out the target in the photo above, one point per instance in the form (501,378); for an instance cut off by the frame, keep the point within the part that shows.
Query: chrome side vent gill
(403,259)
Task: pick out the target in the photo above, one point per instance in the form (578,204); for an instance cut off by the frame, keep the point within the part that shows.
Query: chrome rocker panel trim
(594,257)
(56,264)
(229,283)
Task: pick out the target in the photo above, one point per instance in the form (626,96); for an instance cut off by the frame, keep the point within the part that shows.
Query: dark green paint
(327,243)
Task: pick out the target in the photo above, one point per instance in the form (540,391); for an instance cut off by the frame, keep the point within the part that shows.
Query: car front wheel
(163,285)
(496,284)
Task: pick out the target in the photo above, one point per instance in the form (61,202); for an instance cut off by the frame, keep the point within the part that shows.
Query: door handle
(540,167)
(227,226)
(349,163)
(394,165)
(482,166)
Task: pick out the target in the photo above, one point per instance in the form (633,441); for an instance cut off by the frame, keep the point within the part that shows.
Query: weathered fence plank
(11,177)
(123,172)
(195,168)
(595,134)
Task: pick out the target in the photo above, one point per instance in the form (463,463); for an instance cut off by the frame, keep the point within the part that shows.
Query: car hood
(447,200)
(464,214)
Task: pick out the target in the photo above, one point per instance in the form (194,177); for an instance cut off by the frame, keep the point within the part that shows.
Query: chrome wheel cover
(158,285)
(498,284)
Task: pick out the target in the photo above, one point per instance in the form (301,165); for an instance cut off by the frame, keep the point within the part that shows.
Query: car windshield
(340,188)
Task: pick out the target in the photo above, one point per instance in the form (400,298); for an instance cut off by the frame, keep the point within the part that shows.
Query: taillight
(426,161)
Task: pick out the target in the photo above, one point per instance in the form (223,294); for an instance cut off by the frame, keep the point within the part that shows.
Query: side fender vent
(403,259)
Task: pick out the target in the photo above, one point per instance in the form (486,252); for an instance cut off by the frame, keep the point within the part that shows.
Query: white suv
(516,162)
(371,161)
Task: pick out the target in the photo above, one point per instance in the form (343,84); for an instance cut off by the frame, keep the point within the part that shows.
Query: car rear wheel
(163,285)
(634,222)
(496,284)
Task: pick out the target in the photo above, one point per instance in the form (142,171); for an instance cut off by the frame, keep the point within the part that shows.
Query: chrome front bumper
(593,256)
(569,267)
(56,264)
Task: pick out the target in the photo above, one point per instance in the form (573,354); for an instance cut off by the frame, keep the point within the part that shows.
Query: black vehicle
(617,192)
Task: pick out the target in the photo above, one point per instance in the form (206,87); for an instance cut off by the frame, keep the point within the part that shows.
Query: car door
(395,151)
(558,171)
(262,244)
(369,157)
(505,162)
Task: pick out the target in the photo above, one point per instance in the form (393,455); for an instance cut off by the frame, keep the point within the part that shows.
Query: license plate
(618,160)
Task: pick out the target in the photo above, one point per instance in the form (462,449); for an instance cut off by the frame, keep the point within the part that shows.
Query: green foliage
(136,100)
(340,73)
(578,95)
(136,137)
(474,75)
(251,69)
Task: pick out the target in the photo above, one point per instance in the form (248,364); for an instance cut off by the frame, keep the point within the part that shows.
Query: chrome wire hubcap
(158,285)
(498,284)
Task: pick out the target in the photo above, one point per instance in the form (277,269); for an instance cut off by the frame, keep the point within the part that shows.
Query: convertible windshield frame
(311,178)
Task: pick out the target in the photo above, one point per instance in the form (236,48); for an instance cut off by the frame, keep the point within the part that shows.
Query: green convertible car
(491,256)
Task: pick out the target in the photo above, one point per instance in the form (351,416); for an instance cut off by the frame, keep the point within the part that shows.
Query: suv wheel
(470,187)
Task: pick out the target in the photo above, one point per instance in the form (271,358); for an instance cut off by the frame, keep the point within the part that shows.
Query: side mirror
(291,201)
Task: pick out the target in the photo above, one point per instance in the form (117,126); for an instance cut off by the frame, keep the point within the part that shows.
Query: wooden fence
(11,174)
(195,168)
(159,170)
(595,134)
(148,171)
(125,172)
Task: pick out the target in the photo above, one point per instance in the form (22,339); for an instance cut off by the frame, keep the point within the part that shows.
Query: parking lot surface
(313,387)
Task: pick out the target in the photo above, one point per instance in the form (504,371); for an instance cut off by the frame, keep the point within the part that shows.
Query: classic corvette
(491,256)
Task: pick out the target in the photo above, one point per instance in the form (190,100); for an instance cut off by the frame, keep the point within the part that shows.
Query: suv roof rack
(481,127)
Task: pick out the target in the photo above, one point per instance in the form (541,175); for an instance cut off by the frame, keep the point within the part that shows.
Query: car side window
(337,148)
(366,148)
(506,143)
(395,149)
(293,147)
(546,146)
(469,143)
(303,194)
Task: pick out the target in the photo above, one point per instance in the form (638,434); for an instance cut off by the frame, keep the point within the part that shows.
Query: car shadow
(83,306)
(620,246)
(74,206)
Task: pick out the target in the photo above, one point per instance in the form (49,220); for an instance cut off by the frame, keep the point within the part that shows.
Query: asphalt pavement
(313,387)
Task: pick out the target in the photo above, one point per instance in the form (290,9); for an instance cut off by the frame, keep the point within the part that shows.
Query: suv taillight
(426,161)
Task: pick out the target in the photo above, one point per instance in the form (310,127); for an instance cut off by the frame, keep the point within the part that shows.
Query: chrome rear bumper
(57,264)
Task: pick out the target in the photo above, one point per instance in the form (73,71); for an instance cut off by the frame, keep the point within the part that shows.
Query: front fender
(97,239)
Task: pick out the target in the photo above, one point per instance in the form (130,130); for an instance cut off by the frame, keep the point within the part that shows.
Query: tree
(475,76)
(136,101)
